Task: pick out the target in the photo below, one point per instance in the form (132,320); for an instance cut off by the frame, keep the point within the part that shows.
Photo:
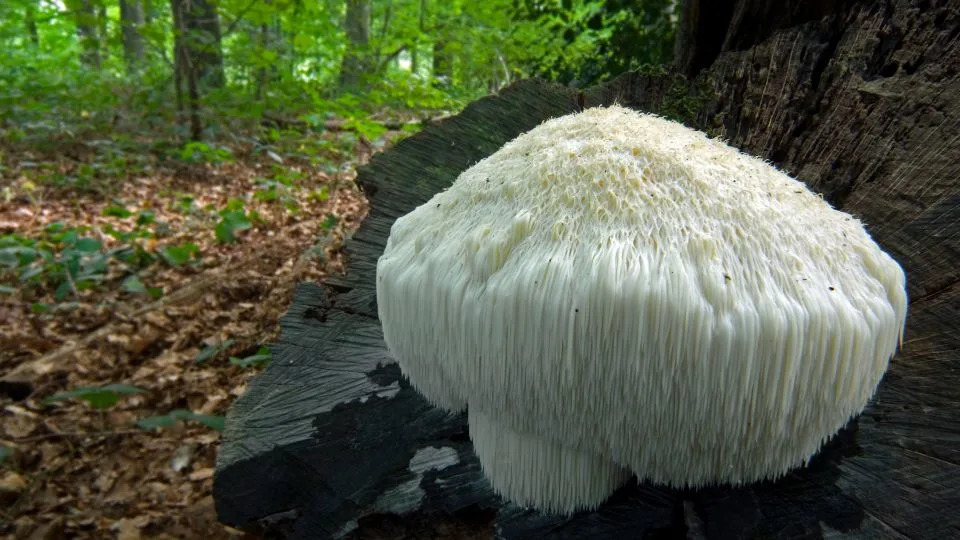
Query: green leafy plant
(132,284)
(201,152)
(261,358)
(117,210)
(178,415)
(233,218)
(67,261)
(98,397)
(211,351)
(329,222)
(180,254)
(183,204)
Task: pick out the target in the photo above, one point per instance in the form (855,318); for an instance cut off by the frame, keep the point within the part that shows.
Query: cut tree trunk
(862,103)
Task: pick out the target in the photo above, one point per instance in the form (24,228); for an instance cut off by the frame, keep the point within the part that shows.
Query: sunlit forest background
(73,67)
(169,171)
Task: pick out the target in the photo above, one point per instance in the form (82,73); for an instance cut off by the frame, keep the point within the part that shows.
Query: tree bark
(710,27)
(187,64)
(415,46)
(86,15)
(442,63)
(862,104)
(353,69)
(198,33)
(131,20)
(30,19)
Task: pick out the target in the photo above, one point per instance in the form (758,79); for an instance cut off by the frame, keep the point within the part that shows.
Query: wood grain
(861,103)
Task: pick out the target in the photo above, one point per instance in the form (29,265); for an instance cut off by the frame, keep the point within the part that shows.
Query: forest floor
(131,318)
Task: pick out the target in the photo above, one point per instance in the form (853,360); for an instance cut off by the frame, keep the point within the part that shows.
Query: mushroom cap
(626,287)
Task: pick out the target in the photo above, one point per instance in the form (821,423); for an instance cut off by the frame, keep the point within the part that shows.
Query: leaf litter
(112,394)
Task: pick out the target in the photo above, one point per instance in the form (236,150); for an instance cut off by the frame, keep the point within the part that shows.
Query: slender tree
(355,60)
(86,15)
(131,20)
(197,29)
(30,18)
(415,47)
(442,62)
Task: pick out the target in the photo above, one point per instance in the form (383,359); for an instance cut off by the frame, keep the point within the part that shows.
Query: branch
(383,63)
(233,26)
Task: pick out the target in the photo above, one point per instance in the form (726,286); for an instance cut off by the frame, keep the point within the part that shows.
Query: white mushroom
(614,292)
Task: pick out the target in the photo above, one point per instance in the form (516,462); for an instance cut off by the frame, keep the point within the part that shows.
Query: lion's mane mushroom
(613,292)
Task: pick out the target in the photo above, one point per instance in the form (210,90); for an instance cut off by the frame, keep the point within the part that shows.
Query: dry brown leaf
(11,486)
(201,474)
(18,423)
(126,529)
(99,471)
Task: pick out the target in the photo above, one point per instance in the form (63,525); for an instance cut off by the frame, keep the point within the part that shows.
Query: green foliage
(66,261)
(133,284)
(63,259)
(329,222)
(98,397)
(283,60)
(177,415)
(233,218)
(181,254)
(261,358)
(211,351)
(201,152)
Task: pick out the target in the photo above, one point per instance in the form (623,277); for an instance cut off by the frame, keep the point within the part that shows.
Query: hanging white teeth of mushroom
(533,471)
(615,292)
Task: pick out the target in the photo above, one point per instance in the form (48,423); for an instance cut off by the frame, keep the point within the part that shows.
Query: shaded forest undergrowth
(136,303)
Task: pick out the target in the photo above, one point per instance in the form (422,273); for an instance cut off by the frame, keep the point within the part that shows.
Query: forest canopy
(142,65)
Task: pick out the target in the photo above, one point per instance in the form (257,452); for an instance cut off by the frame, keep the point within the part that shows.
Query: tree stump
(861,101)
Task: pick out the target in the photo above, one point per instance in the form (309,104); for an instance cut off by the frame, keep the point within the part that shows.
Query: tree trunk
(187,64)
(131,20)
(30,19)
(415,47)
(353,69)
(442,63)
(85,13)
(199,35)
(263,38)
(861,103)
(710,27)
(270,40)
(151,10)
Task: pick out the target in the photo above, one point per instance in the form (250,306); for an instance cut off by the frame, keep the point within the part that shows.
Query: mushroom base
(532,471)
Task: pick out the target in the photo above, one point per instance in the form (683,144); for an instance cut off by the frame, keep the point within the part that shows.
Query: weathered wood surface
(861,104)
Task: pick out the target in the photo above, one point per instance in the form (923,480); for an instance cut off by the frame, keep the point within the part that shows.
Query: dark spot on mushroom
(832,289)
(438,205)
(576,311)
(726,277)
